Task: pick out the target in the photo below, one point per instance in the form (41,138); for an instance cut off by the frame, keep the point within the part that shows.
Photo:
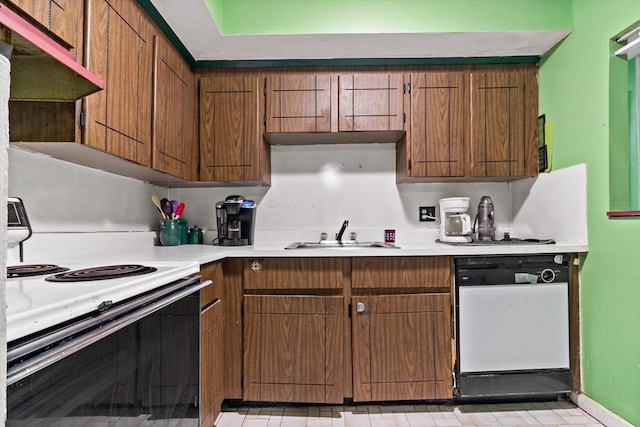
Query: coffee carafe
(455,223)
(236,221)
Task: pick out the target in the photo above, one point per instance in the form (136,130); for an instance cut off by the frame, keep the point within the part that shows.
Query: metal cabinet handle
(360,308)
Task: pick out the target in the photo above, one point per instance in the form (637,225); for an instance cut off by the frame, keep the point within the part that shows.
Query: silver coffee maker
(236,221)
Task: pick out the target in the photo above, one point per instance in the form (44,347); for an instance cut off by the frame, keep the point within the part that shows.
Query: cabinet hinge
(349,311)
(81,119)
(264,119)
(407,88)
(404,117)
(264,89)
(409,164)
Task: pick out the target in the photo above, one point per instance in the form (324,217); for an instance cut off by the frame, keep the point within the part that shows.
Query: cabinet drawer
(401,272)
(293,273)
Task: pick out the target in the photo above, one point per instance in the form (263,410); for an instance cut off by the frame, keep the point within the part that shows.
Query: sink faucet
(345,224)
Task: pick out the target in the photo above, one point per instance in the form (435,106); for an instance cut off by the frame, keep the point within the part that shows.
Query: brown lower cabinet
(293,348)
(322,330)
(211,379)
(211,345)
(401,347)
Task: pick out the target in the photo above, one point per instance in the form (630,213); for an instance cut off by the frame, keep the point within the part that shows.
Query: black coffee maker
(236,221)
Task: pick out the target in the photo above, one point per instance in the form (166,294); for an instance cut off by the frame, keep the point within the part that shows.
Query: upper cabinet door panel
(174,138)
(298,103)
(61,17)
(229,139)
(121,51)
(438,124)
(370,102)
(503,138)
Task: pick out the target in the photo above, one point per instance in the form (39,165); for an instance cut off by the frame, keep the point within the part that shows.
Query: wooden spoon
(156,201)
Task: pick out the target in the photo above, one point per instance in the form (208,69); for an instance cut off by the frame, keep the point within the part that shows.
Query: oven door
(134,364)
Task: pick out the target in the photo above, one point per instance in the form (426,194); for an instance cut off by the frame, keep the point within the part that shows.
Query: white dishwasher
(512,327)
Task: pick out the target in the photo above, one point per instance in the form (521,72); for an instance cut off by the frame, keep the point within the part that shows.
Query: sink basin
(334,244)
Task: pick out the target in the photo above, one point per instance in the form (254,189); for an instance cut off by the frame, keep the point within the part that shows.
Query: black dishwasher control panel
(513,269)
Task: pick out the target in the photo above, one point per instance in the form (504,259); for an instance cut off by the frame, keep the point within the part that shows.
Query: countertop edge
(410,250)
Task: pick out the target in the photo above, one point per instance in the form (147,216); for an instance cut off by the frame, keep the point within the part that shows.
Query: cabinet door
(61,17)
(174,138)
(293,348)
(401,347)
(504,133)
(298,103)
(120,50)
(370,102)
(211,373)
(230,139)
(439,108)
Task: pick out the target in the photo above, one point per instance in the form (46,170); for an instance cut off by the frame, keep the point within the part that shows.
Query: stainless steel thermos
(484,219)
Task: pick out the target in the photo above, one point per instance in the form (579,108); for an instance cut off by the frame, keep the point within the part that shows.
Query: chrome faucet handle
(323,236)
(353,235)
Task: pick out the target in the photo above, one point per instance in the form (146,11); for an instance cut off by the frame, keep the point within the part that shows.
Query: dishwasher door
(513,327)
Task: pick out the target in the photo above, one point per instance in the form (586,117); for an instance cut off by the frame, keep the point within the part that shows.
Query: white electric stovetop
(34,304)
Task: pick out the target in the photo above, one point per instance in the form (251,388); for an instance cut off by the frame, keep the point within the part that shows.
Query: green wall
(387,16)
(574,95)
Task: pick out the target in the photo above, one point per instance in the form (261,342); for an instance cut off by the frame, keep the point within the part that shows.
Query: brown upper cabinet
(146,114)
(471,122)
(175,149)
(438,130)
(120,49)
(504,131)
(232,148)
(298,102)
(370,102)
(62,17)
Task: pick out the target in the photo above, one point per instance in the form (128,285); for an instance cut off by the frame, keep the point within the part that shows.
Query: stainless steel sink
(334,244)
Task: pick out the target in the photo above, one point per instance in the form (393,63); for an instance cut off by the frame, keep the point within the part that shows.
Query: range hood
(41,69)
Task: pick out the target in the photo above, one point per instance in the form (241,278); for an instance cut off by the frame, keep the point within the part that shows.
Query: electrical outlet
(427,213)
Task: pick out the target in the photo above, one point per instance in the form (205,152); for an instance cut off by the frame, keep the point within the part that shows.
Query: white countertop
(34,304)
(208,253)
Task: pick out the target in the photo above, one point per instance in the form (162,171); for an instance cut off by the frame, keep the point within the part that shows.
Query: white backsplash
(314,188)
(62,197)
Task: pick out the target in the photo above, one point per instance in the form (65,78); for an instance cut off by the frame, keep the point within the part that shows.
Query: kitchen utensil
(156,201)
(175,204)
(485,219)
(179,210)
(165,204)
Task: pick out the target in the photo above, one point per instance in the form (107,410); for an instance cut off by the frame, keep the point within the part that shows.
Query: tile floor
(559,413)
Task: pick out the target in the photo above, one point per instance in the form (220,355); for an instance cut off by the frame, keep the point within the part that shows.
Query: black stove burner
(101,273)
(29,270)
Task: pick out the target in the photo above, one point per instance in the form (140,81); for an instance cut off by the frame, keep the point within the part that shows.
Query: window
(624,161)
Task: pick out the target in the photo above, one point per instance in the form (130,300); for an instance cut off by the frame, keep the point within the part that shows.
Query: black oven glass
(146,374)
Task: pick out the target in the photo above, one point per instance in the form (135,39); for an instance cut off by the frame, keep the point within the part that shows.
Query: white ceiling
(196,29)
